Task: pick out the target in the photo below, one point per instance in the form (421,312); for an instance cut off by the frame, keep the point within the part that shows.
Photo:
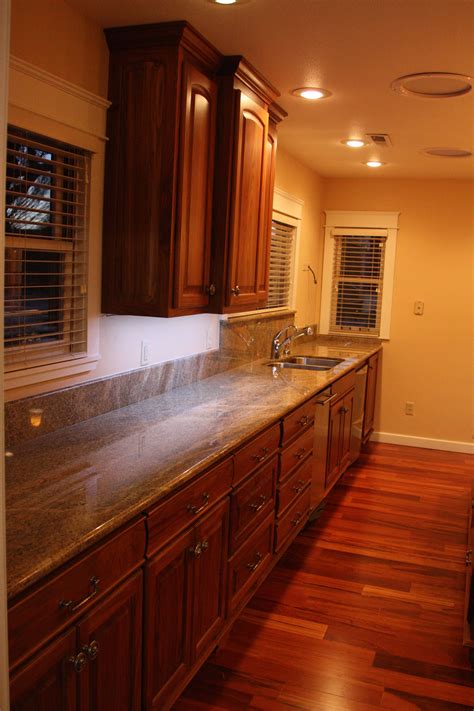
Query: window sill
(53,371)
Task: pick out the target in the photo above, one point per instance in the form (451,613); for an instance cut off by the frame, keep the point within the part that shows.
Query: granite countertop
(68,489)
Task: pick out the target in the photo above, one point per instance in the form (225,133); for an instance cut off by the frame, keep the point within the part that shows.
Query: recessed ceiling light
(354,143)
(311,93)
(228,2)
(373,163)
(447,152)
(433,85)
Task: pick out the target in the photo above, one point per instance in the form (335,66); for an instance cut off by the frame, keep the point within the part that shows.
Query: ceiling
(353,48)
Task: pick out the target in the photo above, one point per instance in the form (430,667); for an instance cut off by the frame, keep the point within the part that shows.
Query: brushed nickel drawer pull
(254,566)
(236,290)
(92,649)
(72,606)
(305,420)
(197,509)
(299,516)
(205,545)
(79,662)
(299,486)
(259,504)
(262,456)
(300,453)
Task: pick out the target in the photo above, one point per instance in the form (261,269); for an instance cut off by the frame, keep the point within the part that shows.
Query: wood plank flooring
(364,611)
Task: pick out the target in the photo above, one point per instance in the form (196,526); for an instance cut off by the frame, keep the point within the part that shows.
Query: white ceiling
(354,48)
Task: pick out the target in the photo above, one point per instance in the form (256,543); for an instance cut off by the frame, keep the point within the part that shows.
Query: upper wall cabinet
(245,164)
(189,176)
(159,170)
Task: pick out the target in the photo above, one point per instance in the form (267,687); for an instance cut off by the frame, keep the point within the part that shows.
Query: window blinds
(357,281)
(45,251)
(281,264)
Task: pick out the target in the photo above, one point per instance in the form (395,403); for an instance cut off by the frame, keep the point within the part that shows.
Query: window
(358,273)
(281,265)
(45,251)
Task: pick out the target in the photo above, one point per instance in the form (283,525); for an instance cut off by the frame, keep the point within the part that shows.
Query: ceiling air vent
(380,139)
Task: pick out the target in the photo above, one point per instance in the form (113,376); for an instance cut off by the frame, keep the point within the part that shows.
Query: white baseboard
(445,445)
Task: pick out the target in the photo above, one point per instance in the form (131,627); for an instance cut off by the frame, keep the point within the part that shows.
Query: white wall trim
(287,204)
(58,82)
(369,220)
(445,445)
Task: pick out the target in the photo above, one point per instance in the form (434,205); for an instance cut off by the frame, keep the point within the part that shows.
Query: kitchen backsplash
(241,340)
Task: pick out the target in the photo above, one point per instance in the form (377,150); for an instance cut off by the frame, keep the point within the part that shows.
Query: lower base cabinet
(94,666)
(184,605)
(339,438)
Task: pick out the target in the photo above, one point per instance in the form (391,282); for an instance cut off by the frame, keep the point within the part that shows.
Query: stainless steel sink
(312,360)
(306,362)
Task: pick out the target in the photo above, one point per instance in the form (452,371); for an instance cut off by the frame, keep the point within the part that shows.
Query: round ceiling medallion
(433,85)
(447,152)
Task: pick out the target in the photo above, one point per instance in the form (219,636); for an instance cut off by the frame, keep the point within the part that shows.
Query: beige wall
(53,36)
(301,182)
(429,358)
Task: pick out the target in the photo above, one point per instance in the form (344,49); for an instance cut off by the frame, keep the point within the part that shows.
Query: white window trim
(356,219)
(79,118)
(289,210)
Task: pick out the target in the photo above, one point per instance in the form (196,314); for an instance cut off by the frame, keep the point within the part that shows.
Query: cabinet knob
(79,662)
(469,557)
(300,453)
(200,548)
(91,650)
(236,290)
(304,421)
(344,410)
(299,516)
(211,289)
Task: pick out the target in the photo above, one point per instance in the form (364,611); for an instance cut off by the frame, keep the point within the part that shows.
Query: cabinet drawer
(290,524)
(252,502)
(183,509)
(294,485)
(35,618)
(257,451)
(344,384)
(297,421)
(247,566)
(293,455)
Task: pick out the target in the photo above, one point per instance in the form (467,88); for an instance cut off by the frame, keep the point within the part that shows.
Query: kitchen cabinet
(159,170)
(246,151)
(340,429)
(87,648)
(184,605)
(468,631)
(373,365)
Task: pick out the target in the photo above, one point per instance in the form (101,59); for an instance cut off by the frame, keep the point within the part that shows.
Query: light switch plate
(145,353)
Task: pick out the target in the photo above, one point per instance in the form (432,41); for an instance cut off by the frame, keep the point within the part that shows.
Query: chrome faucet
(284,339)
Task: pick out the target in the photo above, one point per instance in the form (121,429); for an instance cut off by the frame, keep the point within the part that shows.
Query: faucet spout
(283,340)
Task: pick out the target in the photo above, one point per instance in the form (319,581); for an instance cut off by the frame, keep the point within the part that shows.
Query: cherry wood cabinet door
(196,174)
(168,602)
(110,636)
(49,680)
(247,278)
(209,579)
(346,429)
(370,393)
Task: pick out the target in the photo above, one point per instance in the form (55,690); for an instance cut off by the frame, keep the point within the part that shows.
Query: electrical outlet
(145,353)
(409,408)
(418,308)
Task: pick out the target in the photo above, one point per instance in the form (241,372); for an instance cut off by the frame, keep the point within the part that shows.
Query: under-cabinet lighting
(373,163)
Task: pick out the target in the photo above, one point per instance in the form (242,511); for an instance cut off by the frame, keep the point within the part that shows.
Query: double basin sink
(303,362)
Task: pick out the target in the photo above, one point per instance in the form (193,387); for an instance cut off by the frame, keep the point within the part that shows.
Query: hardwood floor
(365,609)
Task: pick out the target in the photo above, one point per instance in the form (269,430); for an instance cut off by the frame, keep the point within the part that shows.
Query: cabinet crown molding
(240,69)
(164,34)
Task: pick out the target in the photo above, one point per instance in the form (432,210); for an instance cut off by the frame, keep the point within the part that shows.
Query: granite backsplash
(241,340)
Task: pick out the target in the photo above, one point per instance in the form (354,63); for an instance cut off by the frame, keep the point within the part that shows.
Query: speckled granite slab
(68,489)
